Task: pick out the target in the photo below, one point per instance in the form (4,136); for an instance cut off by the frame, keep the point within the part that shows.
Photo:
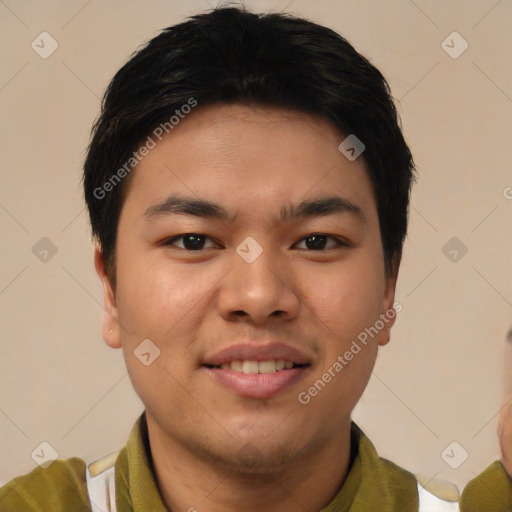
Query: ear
(388,309)
(110,327)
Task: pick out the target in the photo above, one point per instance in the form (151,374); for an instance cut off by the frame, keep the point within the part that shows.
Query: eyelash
(338,242)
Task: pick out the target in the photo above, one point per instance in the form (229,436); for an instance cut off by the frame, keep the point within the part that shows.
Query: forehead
(252,159)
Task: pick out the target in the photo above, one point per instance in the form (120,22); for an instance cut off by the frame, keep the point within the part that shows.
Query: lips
(253,370)
(257,386)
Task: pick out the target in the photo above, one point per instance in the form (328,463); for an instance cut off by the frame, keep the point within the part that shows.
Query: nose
(259,291)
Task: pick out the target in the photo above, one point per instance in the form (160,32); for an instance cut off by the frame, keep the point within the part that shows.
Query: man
(248,187)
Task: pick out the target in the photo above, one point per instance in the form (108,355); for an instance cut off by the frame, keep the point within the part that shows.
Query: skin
(212,449)
(505,437)
(505,417)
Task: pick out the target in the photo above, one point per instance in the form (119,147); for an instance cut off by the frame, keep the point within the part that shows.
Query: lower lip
(257,385)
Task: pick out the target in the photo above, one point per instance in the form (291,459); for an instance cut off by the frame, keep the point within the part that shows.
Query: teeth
(248,366)
(267,367)
(236,365)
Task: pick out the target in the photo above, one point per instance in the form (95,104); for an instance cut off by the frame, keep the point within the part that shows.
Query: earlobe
(387,318)
(110,325)
(389,312)
(384,336)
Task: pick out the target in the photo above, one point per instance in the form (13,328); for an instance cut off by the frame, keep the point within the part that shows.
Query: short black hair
(230,55)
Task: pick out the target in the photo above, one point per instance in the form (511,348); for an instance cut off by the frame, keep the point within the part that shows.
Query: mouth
(251,367)
(257,379)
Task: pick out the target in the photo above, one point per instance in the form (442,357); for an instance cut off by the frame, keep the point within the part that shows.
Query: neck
(194,482)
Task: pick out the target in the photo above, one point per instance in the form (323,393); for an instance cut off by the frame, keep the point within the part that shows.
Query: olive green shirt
(372,484)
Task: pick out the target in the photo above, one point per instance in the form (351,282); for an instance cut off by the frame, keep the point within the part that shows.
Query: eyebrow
(319,207)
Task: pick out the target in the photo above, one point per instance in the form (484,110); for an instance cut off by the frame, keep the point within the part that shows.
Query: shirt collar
(136,484)
(374,483)
(371,481)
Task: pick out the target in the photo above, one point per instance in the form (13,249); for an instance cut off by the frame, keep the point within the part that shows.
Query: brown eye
(190,241)
(318,242)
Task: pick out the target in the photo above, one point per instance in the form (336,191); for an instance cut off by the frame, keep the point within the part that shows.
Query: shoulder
(60,487)
(404,489)
(491,491)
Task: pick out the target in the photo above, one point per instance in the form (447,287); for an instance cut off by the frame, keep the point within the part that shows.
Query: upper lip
(257,351)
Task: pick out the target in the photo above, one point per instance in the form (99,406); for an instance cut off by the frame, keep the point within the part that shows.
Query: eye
(197,242)
(190,241)
(318,242)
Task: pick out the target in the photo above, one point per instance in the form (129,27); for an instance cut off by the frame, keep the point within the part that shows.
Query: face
(247,241)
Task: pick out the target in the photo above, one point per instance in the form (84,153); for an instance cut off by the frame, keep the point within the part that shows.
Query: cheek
(159,303)
(347,299)
(155,297)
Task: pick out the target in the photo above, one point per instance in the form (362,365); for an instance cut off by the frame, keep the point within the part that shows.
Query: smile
(249,366)
(257,380)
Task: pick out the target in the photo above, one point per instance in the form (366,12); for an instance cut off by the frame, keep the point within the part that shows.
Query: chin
(253,459)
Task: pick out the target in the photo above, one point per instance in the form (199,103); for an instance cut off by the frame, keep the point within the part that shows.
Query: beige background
(440,380)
